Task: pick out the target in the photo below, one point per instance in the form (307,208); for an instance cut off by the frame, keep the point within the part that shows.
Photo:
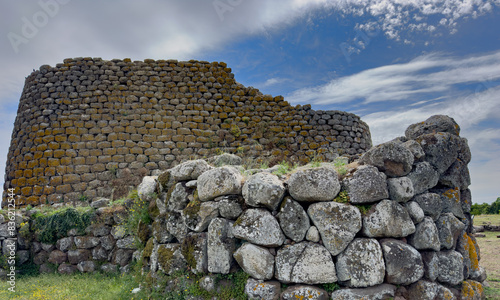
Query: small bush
(55,225)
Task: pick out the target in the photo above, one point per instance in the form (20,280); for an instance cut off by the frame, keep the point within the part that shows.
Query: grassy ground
(81,286)
(490,254)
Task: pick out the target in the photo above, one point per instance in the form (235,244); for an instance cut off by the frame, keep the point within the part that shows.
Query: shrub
(56,224)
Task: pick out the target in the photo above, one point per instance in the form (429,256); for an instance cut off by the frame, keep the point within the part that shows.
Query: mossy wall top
(88,123)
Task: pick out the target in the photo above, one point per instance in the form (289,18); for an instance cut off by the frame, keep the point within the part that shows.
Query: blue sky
(392,62)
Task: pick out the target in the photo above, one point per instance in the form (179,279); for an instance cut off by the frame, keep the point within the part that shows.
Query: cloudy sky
(392,62)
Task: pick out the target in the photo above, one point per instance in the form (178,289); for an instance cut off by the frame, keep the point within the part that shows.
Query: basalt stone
(423,289)
(259,227)
(78,255)
(426,236)
(293,220)
(189,170)
(304,292)
(255,260)
(361,264)
(415,149)
(450,201)
(450,267)
(128,242)
(434,124)
(118,232)
(415,211)
(449,229)
(457,175)
(379,292)
(314,184)
(387,219)
(423,177)
(66,269)
(109,268)
(197,215)
(176,225)
(431,264)
(107,242)
(147,188)
(430,204)
(259,289)
(229,208)
(337,223)
(305,263)
(393,159)
(160,229)
(57,257)
(403,263)
(86,266)
(219,182)
(220,246)
(226,159)
(263,190)
(312,234)
(179,198)
(65,244)
(170,258)
(41,257)
(366,185)
(466,200)
(441,149)
(122,257)
(194,249)
(400,189)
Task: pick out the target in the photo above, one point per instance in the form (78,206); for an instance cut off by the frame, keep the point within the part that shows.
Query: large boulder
(387,219)
(450,267)
(449,229)
(450,201)
(225,159)
(441,149)
(367,184)
(259,227)
(434,124)
(337,223)
(457,175)
(379,292)
(218,182)
(305,263)
(176,226)
(263,189)
(394,159)
(259,289)
(426,236)
(255,260)
(178,197)
(430,203)
(431,264)
(400,189)
(403,263)
(423,289)
(230,207)
(220,246)
(147,188)
(423,177)
(415,149)
(189,170)
(293,219)
(314,184)
(361,264)
(160,230)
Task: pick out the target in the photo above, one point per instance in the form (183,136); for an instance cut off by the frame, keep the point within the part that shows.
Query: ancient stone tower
(87,126)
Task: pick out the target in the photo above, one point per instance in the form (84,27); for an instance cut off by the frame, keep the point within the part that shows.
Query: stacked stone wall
(87,125)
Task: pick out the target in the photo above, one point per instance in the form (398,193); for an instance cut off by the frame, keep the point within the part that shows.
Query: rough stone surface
(57,257)
(305,263)
(415,211)
(387,219)
(316,184)
(65,244)
(218,182)
(426,236)
(78,255)
(415,148)
(450,201)
(312,234)
(258,289)
(403,263)
(434,124)
(361,264)
(263,190)
(176,225)
(86,242)
(430,203)
(86,266)
(293,220)
(393,159)
(449,229)
(194,249)
(66,269)
(379,292)
(450,267)
(197,216)
(147,188)
(304,292)
(160,231)
(400,189)
(179,198)
(220,246)
(259,227)
(256,261)
(226,159)
(170,258)
(189,170)
(441,149)
(100,202)
(229,208)
(128,242)
(423,176)
(336,222)
(457,175)
(366,185)
(431,264)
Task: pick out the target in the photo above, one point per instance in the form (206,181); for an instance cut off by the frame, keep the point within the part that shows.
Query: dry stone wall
(87,126)
(394,224)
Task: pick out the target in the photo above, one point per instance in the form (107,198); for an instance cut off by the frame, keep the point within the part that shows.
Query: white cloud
(423,75)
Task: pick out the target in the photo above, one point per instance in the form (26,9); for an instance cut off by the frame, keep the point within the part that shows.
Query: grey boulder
(259,227)
(387,219)
(426,236)
(403,263)
(379,292)
(400,189)
(367,184)
(434,124)
(314,184)
(219,182)
(263,189)
(255,260)
(293,219)
(393,159)
(423,177)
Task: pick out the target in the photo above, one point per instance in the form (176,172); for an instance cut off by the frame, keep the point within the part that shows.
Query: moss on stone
(143,232)
(148,250)
(164,179)
(188,248)
(165,257)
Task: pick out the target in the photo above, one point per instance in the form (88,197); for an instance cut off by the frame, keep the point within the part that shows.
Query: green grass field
(490,251)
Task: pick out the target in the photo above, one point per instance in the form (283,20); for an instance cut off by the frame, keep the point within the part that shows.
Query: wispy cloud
(434,73)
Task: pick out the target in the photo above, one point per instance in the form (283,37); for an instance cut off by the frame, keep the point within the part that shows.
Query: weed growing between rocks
(137,213)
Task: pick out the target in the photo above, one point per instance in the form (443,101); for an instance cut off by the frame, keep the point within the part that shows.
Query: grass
(490,247)
(78,286)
